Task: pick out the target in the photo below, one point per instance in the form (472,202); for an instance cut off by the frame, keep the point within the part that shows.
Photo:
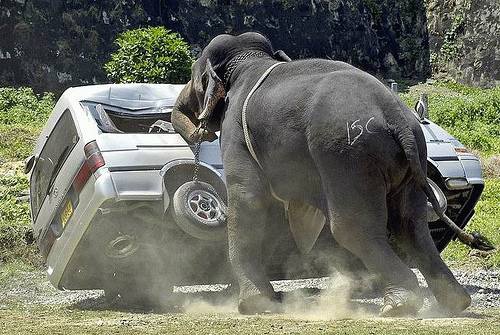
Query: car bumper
(117,185)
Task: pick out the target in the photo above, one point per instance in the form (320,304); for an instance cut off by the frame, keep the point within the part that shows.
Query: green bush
(472,115)
(150,55)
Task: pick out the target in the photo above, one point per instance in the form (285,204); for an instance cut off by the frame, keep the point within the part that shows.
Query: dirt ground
(30,305)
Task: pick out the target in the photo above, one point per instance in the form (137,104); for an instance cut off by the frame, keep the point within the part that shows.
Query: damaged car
(114,205)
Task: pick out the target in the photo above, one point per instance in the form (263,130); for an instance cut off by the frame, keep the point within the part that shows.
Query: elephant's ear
(213,93)
(281,56)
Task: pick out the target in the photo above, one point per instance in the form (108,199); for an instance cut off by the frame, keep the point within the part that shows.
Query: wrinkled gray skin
(304,122)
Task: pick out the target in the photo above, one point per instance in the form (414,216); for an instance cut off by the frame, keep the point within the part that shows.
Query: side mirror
(394,87)
(29,163)
(421,107)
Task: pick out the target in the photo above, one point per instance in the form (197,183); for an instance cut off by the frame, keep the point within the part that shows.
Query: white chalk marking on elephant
(353,126)
(366,126)
(348,134)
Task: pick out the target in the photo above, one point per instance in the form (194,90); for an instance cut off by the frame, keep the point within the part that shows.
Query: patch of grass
(491,166)
(15,217)
(472,115)
(22,115)
(36,319)
(486,220)
(13,269)
(21,106)
(17,141)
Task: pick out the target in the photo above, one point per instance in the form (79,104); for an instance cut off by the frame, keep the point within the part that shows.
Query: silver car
(113,205)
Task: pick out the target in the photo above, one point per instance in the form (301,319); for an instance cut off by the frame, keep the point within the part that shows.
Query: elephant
(329,138)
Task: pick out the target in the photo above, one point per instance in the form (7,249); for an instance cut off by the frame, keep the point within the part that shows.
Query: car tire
(199,211)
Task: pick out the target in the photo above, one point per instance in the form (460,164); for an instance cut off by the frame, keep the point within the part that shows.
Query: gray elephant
(333,141)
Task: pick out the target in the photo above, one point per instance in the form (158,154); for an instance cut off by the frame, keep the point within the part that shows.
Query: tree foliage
(150,55)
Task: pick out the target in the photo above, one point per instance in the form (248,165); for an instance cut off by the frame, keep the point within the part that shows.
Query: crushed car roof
(132,97)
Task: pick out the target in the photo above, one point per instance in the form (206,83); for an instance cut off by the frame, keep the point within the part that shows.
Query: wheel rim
(205,207)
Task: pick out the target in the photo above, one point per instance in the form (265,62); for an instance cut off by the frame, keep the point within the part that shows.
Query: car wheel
(199,211)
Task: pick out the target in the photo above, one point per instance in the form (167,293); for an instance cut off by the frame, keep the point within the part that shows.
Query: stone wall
(387,37)
(53,44)
(464,37)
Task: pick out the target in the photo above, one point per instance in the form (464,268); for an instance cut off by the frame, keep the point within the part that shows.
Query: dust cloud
(203,306)
(334,302)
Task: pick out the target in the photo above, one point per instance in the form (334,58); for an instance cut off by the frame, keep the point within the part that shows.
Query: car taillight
(94,156)
(93,162)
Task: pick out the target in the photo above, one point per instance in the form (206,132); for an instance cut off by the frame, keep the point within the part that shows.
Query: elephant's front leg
(248,202)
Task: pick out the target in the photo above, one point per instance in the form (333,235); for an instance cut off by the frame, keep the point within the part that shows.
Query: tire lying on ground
(199,211)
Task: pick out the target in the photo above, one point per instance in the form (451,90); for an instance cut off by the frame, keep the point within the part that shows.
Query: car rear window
(141,119)
(59,145)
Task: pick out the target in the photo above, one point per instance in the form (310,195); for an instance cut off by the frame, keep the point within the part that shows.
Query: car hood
(433,132)
(441,151)
(440,144)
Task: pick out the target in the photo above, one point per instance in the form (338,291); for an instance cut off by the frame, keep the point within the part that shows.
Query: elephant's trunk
(184,125)
(183,118)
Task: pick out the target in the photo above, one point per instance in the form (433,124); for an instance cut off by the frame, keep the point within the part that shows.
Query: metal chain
(197,150)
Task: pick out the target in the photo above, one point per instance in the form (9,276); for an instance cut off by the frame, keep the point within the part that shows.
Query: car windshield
(59,145)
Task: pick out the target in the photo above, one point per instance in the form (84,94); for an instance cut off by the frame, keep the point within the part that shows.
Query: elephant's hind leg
(415,239)
(358,214)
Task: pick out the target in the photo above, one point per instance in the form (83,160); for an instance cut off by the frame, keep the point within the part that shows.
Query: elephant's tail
(406,138)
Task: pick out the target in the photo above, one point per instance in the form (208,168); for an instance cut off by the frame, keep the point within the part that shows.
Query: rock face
(386,37)
(53,44)
(464,37)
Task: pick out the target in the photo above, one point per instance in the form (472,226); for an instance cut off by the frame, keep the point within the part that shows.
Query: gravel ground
(32,288)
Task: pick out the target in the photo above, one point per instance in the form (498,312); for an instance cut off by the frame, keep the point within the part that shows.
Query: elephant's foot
(399,301)
(451,296)
(260,304)
(458,304)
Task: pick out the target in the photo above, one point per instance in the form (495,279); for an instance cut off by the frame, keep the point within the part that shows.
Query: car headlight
(456,183)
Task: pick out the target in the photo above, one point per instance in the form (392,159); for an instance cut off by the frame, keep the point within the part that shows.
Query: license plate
(66,213)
